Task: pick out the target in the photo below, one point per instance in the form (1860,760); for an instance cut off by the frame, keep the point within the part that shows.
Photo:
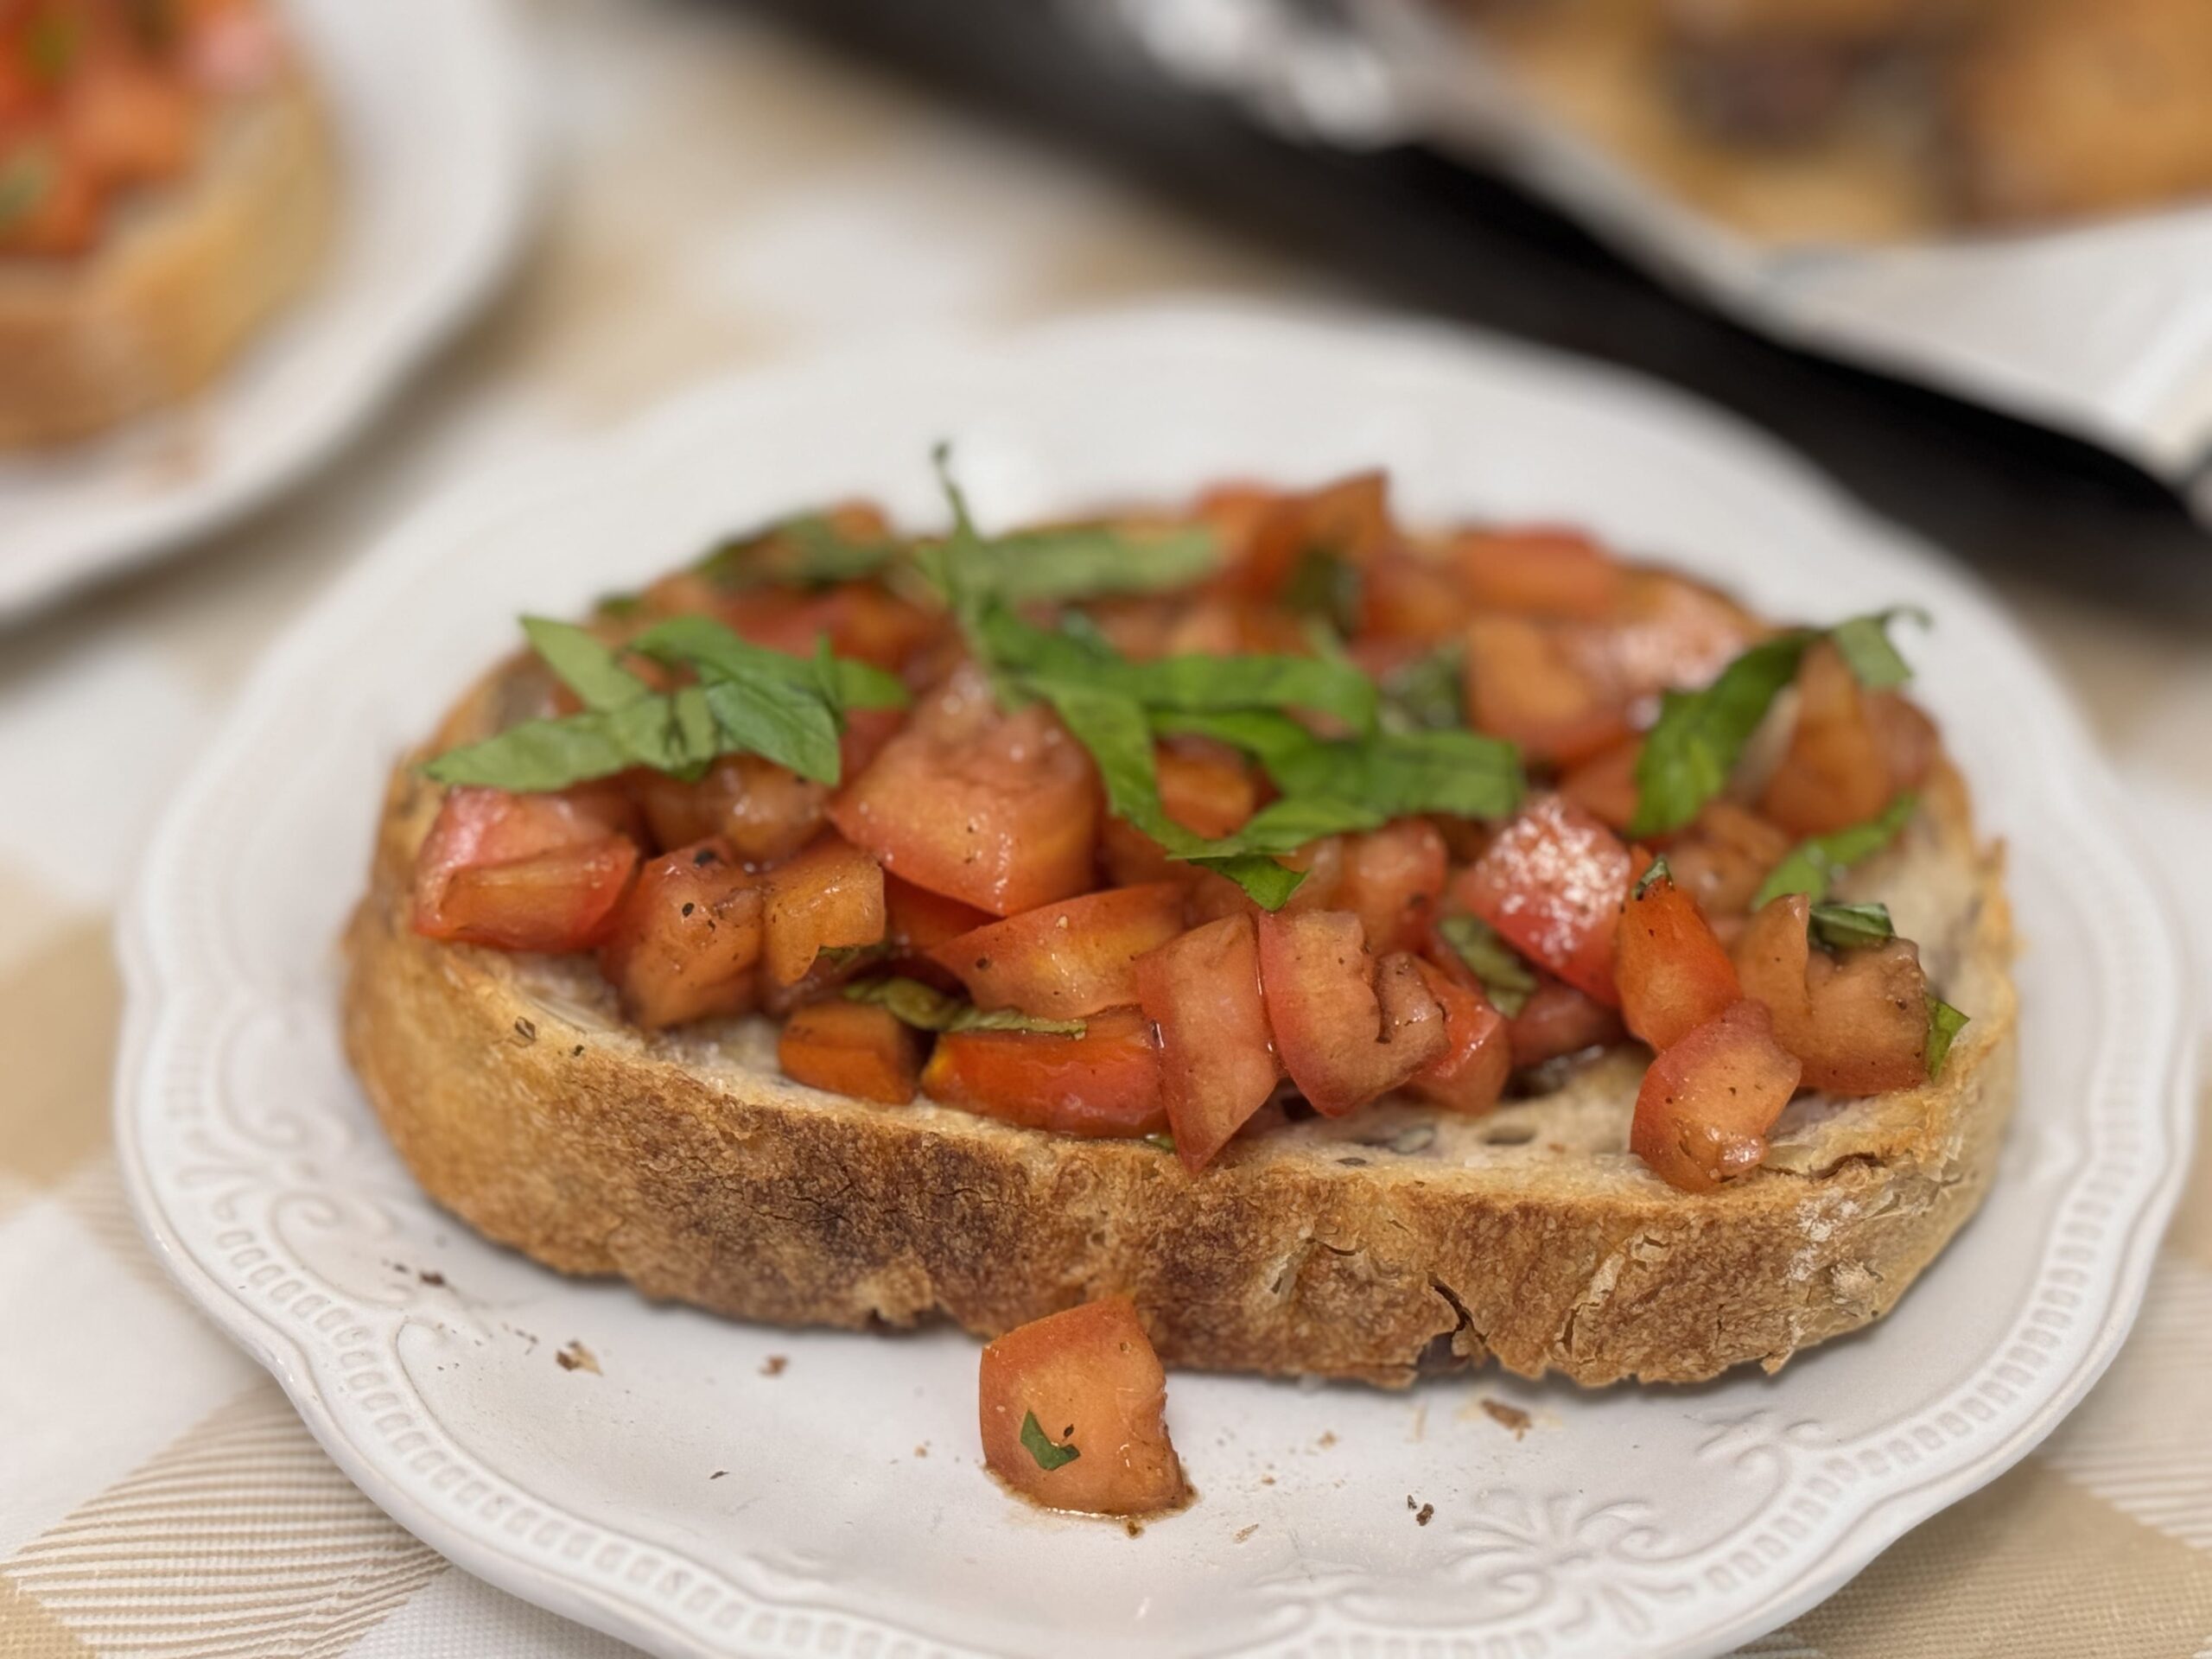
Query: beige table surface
(721,197)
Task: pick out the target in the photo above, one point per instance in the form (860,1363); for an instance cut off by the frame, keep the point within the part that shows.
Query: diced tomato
(1393,878)
(1348,520)
(1471,1073)
(686,940)
(1348,1028)
(1205,787)
(1604,785)
(829,898)
(1213,895)
(998,810)
(917,920)
(1233,512)
(1522,686)
(867,730)
(862,620)
(1557,1020)
(764,811)
(1724,855)
(1540,572)
(1707,1101)
(128,124)
(1064,961)
(1552,883)
(1858,1020)
(1103,1083)
(1217,1062)
(1086,1381)
(1834,772)
(523,872)
(65,216)
(1414,601)
(1906,736)
(1666,633)
(1672,971)
(850,1048)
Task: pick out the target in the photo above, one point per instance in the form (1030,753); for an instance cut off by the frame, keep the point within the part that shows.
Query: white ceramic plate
(428,100)
(685,1498)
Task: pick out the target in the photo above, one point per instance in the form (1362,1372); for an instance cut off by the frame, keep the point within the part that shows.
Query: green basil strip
(1813,865)
(925,1009)
(1509,981)
(1049,1455)
(1428,694)
(1659,871)
(1393,774)
(537,755)
(1850,927)
(584,663)
(1687,756)
(24,184)
(1864,644)
(1944,1024)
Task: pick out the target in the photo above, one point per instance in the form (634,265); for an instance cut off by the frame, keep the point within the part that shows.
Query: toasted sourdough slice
(184,276)
(1400,1240)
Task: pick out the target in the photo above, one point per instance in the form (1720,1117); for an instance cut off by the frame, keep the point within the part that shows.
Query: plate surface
(715,1488)
(434,155)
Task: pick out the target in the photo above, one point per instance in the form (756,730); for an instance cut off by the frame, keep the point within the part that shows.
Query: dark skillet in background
(1425,233)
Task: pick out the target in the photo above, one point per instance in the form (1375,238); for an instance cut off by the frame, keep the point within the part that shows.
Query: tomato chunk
(917,920)
(1557,1020)
(1724,856)
(1348,520)
(764,811)
(686,940)
(997,810)
(1604,786)
(1541,570)
(1348,1028)
(1835,772)
(523,872)
(1206,788)
(829,898)
(1471,1073)
(1707,1102)
(1393,878)
(1414,599)
(1085,1381)
(850,1048)
(1858,1020)
(1217,1062)
(1552,883)
(1103,1083)
(1523,686)
(1673,973)
(1065,960)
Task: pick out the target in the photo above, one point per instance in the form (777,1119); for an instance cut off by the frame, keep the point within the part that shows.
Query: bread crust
(688,1165)
(183,279)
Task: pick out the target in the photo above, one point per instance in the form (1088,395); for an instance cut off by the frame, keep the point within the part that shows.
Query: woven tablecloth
(721,196)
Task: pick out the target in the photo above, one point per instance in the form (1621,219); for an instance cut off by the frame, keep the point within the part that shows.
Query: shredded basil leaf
(926,1008)
(1864,644)
(1687,756)
(586,664)
(1428,694)
(1164,1142)
(1944,1024)
(1049,1455)
(24,184)
(1324,584)
(806,552)
(1848,927)
(1813,865)
(1658,872)
(1509,981)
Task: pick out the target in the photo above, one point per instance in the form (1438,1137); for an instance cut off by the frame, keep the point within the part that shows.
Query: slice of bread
(1400,1240)
(184,276)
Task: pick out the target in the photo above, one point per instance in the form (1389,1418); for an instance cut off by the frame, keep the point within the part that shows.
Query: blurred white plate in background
(430,105)
(717,1489)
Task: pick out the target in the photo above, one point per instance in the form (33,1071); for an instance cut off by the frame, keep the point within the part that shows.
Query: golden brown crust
(186,277)
(688,1166)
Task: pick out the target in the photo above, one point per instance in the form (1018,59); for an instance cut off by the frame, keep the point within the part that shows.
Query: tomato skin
(1064,961)
(997,810)
(1091,1379)
(1551,882)
(1538,571)
(1672,970)
(1858,1020)
(828,898)
(1470,1075)
(1557,1020)
(764,811)
(1667,632)
(1217,1062)
(1523,686)
(1707,1101)
(850,1048)
(1415,600)
(1348,1028)
(1604,786)
(917,920)
(686,941)
(1350,518)
(1724,855)
(861,621)
(1204,787)
(1834,772)
(130,124)
(1393,878)
(523,872)
(1105,1082)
